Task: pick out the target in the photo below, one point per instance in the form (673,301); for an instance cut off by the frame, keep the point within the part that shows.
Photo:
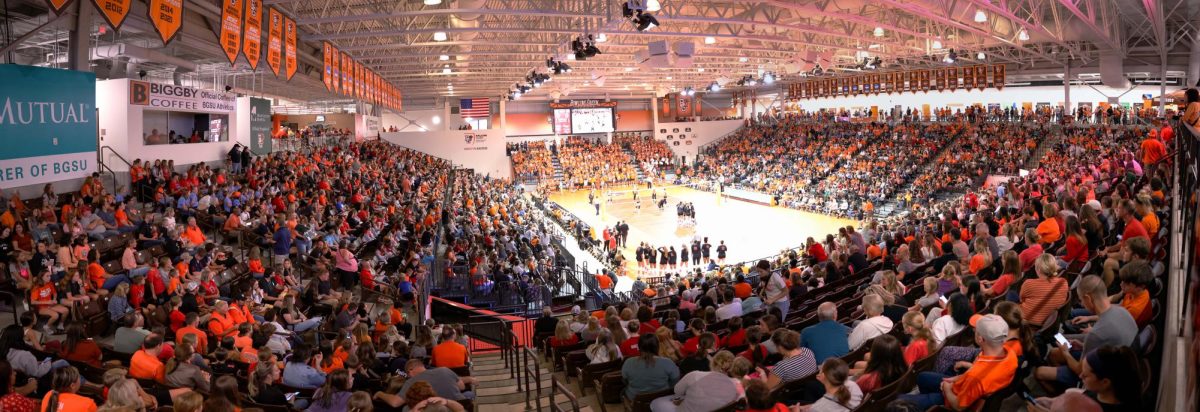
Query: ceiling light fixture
(1023,35)
(710,40)
(878,31)
(444,57)
(439,36)
(937,45)
(601,38)
(432,2)
(446,70)
(769,78)
(701,70)
(743,59)
(653,5)
(980,16)
(980,56)
(629,69)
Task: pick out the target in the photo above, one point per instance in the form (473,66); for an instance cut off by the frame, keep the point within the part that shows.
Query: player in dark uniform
(672,257)
(721,250)
(706,250)
(696,253)
(683,256)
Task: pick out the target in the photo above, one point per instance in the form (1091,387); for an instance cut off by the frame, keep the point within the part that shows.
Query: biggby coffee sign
(179,98)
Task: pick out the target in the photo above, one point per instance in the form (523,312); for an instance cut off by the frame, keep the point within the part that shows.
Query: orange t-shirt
(1152,151)
(201,338)
(220,324)
(194,235)
(44,293)
(450,355)
(1048,231)
(70,402)
(605,281)
(978,262)
(396,315)
(1138,305)
(335,364)
(742,290)
(96,274)
(146,366)
(988,375)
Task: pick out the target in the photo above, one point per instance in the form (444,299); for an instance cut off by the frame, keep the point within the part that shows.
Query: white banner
(180,98)
(45,169)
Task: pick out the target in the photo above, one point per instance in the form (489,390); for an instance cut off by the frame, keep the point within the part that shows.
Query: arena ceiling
(492,44)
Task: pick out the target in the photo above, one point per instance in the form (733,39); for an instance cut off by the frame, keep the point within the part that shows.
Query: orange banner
(289,49)
(274,40)
(231,28)
(346,86)
(252,36)
(57,6)
(114,12)
(998,76)
(335,63)
(167,17)
(327,75)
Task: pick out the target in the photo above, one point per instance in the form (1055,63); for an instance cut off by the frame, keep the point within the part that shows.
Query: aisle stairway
(558,169)
(893,205)
(641,175)
(496,390)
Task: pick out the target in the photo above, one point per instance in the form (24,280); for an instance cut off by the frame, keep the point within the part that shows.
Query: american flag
(477,107)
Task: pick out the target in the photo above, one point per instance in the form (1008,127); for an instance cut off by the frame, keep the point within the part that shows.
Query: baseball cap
(991,328)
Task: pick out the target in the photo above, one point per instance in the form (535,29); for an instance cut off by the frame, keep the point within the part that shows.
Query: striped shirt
(1040,297)
(796,367)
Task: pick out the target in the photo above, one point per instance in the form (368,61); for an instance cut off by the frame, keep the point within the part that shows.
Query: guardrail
(557,387)
(531,370)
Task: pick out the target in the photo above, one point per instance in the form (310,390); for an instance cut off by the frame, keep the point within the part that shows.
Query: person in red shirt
(176,317)
(816,251)
(736,336)
(629,348)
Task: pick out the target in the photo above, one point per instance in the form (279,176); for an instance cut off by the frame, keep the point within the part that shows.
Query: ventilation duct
(1112,70)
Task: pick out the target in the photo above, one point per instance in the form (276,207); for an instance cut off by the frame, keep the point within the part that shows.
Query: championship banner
(335,67)
(274,40)
(289,50)
(114,12)
(998,76)
(968,76)
(57,6)
(981,76)
(167,17)
(231,29)
(48,125)
(683,105)
(925,84)
(327,74)
(252,36)
(358,80)
(939,78)
(952,78)
(345,90)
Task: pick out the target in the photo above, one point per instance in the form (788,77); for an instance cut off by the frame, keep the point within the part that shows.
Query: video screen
(593,120)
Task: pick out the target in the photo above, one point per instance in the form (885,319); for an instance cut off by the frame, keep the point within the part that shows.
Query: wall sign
(260,126)
(48,124)
(180,98)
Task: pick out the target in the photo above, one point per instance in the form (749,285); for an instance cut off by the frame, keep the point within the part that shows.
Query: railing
(113,174)
(532,370)
(557,387)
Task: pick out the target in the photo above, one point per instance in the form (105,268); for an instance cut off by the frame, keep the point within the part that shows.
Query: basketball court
(717,217)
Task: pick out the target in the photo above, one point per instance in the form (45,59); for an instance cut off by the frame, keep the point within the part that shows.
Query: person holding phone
(1111,382)
(992,371)
(1114,327)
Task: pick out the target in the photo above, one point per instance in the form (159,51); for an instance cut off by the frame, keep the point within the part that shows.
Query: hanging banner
(114,12)
(289,48)
(231,29)
(57,6)
(998,76)
(48,125)
(167,17)
(274,40)
(981,76)
(327,73)
(968,76)
(335,65)
(346,74)
(252,36)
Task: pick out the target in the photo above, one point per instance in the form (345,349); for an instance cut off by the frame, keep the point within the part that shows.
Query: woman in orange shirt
(982,257)
(44,297)
(65,384)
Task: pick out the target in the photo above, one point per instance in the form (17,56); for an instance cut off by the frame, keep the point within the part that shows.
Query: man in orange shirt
(741,288)
(219,322)
(192,234)
(192,322)
(1152,150)
(991,371)
(449,353)
(145,364)
(1135,277)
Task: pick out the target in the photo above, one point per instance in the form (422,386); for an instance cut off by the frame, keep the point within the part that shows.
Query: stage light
(980,56)
(714,87)
(743,59)
(446,70)
(878,31)
(980,16)
(444,57)
(432,2)
(653,5)
(937,45)
(645,21)
(769,78)
(626,11)
(439,36)
(710,40)
(951,57)
(1023,35)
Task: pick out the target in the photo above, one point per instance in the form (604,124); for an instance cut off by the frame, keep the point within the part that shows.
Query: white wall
(702,133)
(487,157)
(1005,97)
(121,129)
(415,120)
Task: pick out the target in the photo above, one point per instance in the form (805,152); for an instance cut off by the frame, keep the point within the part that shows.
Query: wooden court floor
(750,230)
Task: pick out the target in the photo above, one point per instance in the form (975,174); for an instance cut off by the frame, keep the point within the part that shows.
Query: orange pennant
(113,11)
(167,18)
(252,36)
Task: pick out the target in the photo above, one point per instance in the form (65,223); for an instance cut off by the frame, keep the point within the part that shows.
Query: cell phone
(1062,340)
(944,300)
(1028,397)
(291,396)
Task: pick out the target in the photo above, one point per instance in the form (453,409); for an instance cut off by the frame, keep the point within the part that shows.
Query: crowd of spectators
(587,163)
(652,154)
(531,161)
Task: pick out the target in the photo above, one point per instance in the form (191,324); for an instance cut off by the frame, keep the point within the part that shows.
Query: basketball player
(637,204)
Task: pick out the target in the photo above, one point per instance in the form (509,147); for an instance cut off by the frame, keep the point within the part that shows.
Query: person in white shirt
(732,307)
(874,325)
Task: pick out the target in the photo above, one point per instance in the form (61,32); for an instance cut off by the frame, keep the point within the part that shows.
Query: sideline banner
(260,126)
(231,29)
(48,124)
(167,17)
(113,11)
(252,42)
(274,40)
(289,49)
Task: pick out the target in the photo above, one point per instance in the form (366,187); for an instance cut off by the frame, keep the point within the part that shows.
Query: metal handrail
(555,388)
(536,374)
(114,151)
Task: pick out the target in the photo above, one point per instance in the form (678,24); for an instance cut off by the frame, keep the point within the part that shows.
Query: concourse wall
(1006,97)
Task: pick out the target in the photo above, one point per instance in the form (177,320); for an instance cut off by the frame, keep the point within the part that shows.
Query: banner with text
(260,126)
(252,37)
(48,122)
(274,40)
(167,18)
(231,28)
(289,46)
(158,96)
(114,12)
